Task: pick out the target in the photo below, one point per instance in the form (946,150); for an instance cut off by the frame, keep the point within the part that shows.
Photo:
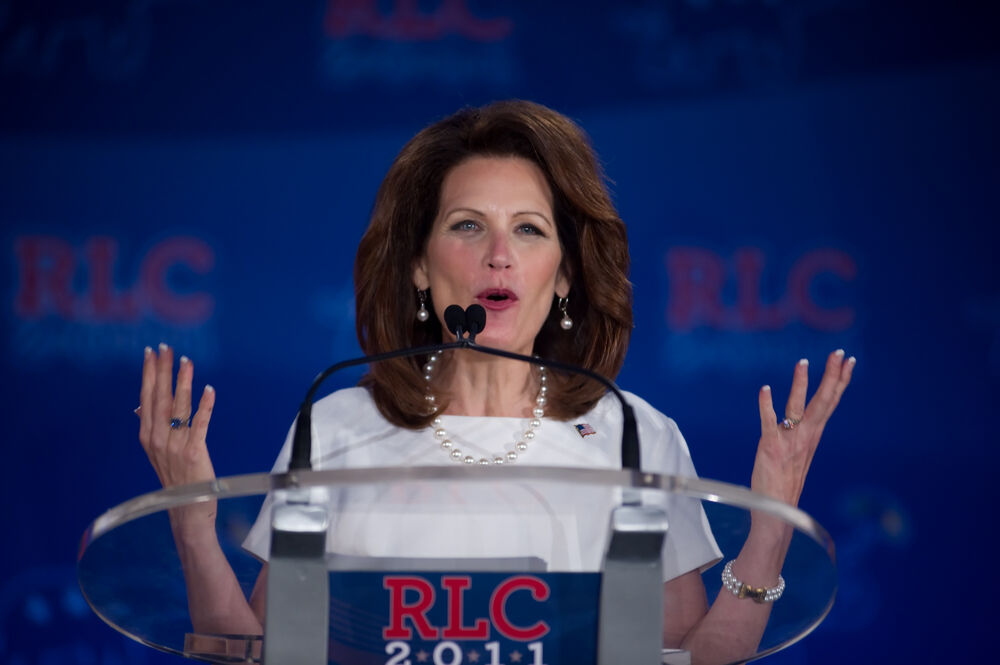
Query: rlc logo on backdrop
(698,278)
(742,311)
(69,301)
(407,46)
(346,18)
(49,267)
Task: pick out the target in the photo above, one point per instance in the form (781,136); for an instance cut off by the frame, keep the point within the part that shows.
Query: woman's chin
(504,342)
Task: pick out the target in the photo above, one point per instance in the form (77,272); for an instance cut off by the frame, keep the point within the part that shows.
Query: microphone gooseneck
(471,321)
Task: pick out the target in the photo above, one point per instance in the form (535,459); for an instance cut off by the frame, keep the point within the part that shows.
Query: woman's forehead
(508,182)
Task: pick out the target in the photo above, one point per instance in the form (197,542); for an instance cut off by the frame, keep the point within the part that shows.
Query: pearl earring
(422,313)
(566,322)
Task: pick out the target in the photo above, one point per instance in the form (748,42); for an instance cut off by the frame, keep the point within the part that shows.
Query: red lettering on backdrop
(498,607)
(101,254)
(45,270)
(752,313)
(800,280)
(190,252)
(405,22)
(417,611)
(106,303)
(480,630)
(48,266)
(697,277)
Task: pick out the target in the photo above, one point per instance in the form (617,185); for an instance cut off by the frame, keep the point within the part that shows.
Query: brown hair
(592,235)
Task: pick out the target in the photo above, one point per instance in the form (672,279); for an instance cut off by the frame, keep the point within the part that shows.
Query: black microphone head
(475,318)
(454,320)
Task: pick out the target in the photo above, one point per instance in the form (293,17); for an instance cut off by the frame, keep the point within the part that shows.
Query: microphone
(455,320)
(475,320)
(471,320)
(459,322)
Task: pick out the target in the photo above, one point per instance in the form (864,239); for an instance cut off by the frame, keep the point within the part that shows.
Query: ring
(178,423)
(790,423)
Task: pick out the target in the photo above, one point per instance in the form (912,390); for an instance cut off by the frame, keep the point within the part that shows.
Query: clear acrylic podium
(484,565)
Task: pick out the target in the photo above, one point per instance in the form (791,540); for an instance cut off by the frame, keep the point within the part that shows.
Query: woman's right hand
(178,452)
(180,456)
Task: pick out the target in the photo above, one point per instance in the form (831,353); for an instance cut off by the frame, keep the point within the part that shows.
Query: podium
(448,565)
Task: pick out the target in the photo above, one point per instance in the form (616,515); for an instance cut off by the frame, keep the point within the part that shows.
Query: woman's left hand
(786,448)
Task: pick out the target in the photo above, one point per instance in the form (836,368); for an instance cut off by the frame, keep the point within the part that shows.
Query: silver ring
(790,423)
(178,423)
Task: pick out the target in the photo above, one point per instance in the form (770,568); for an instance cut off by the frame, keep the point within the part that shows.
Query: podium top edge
(713,491)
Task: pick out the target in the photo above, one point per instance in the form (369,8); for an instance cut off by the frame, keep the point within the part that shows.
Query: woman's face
(494,243)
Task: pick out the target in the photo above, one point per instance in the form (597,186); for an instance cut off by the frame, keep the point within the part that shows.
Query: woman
(502,206)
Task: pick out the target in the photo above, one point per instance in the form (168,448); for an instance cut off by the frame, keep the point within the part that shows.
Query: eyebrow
(482,214)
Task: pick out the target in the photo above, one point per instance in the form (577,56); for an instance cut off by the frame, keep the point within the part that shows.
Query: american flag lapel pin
(584,429)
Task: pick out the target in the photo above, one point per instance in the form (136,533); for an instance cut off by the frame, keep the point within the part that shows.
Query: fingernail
(184,359)
(767,388)
(137,409)
(804,361)
(839,353)
(147,351)
(209,389)
(852,360)
(163,347)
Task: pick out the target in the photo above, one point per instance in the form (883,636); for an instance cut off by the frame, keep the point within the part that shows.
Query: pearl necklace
(509,456)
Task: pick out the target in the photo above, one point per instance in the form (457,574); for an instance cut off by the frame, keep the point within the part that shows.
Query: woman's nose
(499,255)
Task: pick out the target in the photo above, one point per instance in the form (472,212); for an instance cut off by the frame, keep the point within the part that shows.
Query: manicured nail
(163,347)
(852,360)
(137,410)
(839,353)
(804,361)
(184,359)
(209,389)
(767,388)
(147,351)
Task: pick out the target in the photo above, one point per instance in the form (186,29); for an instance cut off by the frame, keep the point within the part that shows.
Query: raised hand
(786,447)
(173,440)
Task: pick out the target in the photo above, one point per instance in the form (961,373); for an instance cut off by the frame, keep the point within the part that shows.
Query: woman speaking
(502,206)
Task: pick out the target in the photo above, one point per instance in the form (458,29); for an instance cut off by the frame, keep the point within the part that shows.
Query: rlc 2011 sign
(464,617)
(412,597)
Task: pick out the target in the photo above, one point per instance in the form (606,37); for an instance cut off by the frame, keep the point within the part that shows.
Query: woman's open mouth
(496,299)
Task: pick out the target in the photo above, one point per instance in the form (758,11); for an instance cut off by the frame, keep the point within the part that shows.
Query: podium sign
(455,618)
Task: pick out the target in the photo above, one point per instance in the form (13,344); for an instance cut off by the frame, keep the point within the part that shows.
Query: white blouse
(564,526)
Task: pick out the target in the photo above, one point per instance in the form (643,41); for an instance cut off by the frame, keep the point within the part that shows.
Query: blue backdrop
(796,177)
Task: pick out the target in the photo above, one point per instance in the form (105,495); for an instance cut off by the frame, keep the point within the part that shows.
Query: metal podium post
(630,619)
(298,589)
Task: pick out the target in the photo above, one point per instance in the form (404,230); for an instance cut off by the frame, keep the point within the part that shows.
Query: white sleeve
(689,544)
(348,414)
(258,540)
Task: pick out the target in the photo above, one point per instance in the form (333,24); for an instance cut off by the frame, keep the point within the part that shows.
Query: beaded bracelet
(757,594)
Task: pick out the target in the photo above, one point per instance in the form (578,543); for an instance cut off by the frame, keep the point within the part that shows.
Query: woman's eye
(465,225)
(530,229)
